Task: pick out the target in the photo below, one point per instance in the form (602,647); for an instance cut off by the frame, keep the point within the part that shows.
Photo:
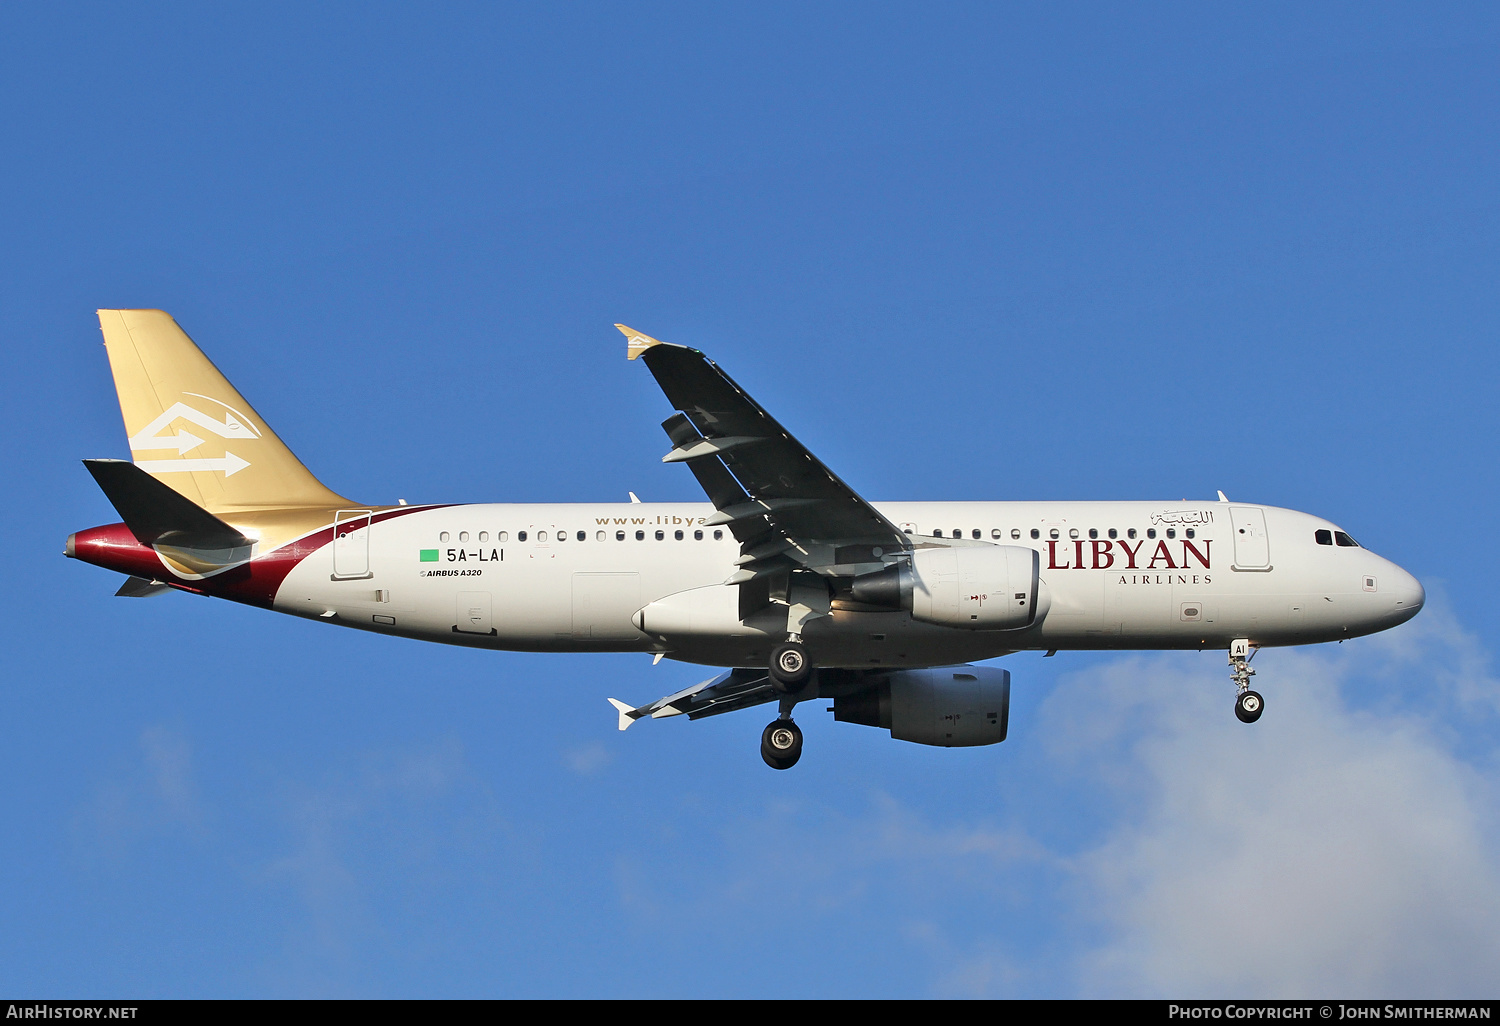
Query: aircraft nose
(1409,594)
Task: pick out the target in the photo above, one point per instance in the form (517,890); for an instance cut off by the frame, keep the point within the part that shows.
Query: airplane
(786,576)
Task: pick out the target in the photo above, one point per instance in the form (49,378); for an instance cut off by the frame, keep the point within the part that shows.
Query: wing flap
(731,690)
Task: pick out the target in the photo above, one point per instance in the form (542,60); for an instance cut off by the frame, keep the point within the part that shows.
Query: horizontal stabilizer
(156,513)
(625,711)
(140,587)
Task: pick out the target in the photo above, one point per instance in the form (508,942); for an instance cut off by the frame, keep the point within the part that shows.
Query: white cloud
(150,790)
(585,760)
(400,832)
(1327,849)
(1344,845)
(170,760)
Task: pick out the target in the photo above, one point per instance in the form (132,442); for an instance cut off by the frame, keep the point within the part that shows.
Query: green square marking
(429,555)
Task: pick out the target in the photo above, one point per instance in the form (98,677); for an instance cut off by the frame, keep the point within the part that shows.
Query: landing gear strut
(790,671)
(781,744)
(1248,705)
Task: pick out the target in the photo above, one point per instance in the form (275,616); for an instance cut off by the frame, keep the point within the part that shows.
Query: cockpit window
(1323,537)
(1344,540)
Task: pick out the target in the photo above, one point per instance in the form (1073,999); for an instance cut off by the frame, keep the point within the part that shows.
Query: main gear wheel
(790,667)
(781,744)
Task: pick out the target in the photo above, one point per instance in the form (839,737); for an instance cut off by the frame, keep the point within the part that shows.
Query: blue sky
(971,252)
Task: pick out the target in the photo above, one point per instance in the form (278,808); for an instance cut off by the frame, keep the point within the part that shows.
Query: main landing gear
(1248,705)
(790,671)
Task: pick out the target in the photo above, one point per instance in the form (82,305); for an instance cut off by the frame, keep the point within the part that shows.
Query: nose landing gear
(1249,704)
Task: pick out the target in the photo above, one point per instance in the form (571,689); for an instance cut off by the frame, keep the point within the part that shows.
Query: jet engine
(950,706)
(989,587)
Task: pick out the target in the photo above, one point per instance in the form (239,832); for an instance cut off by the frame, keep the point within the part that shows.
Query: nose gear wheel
(1249,704)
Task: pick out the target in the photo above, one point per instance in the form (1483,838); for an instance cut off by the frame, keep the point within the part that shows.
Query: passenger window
(1130,533)
(677,535)
(463,536)
(562,536)
(484,536)
(718,536)
(600,535)
(697,536)
(1323,537)
(640,536)
(1036,534)
(1072,532)
(619,536)
(1344,540)
(1113,533)
(661,535)
(1150,532)
(504,536)
(1051,534)
(520,536)
(583,535)
(1190,533)
(1171,532)
(443,536)
(997,533)
(937,533)
(1093,532)
(541,536)
(1015,532)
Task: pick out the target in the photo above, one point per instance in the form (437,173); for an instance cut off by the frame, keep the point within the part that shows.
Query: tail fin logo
(152,438)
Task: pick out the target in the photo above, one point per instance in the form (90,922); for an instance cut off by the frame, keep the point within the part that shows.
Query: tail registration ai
(786,576)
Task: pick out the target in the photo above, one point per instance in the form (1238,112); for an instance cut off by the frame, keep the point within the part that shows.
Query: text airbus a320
(785,575)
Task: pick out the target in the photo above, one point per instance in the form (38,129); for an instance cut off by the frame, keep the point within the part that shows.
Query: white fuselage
(1117,575)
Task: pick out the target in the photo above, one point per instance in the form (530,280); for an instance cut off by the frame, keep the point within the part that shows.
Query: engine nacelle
(984,587)
(949,706)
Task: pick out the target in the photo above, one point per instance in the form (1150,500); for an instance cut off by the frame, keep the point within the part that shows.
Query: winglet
(1222,496)
(624,710)
(636,345)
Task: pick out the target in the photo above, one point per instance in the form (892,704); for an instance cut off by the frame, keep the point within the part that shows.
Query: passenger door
(1252,547)
(351,544)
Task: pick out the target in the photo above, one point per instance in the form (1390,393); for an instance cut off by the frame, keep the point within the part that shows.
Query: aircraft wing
(731,690)
(786,508)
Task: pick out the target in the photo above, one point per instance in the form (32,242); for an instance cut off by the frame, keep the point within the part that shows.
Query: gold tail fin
(191,430)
